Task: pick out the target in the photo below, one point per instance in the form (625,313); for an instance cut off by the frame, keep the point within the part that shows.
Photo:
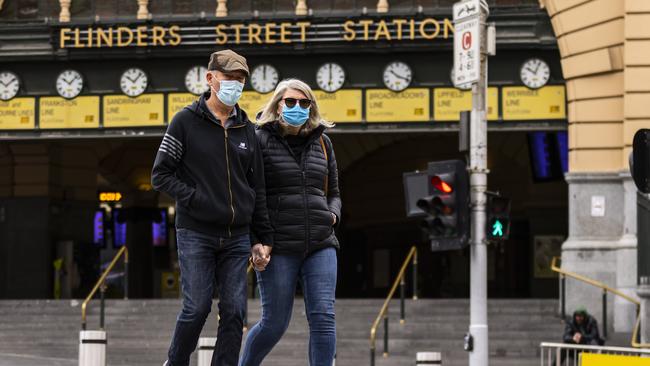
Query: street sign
(467,42)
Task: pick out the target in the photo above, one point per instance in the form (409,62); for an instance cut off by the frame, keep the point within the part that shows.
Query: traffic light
(447,205)
(498,217)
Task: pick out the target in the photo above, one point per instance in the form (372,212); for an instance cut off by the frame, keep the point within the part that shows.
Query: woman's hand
(333,218)
(260,256)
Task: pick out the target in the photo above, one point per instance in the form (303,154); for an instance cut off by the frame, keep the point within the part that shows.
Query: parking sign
(467,45)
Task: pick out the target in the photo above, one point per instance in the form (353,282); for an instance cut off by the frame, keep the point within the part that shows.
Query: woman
(304,207)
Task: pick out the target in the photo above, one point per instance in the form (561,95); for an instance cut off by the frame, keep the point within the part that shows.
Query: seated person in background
(582,329)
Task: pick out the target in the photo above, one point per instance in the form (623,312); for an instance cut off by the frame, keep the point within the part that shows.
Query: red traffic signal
(441,185)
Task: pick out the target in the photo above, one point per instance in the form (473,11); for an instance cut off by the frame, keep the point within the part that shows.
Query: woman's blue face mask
(295,116)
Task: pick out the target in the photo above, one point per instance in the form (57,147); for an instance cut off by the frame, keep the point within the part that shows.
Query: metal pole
(605,314)
(415,275)
(638,335)
(102,297)
(386,336)
(478,185)
(126,275)
(402,295)
(563,296)
(372,356)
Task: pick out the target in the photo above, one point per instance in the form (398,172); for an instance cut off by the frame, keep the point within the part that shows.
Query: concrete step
(139,331)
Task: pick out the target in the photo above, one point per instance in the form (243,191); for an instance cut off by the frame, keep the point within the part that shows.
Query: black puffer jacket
(295,191)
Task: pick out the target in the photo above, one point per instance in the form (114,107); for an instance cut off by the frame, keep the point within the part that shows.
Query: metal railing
(559,354)
(383,313)
(606,289)
(101,286)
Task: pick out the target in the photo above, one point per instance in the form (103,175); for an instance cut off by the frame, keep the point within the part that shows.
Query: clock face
(330,77)
(195,80)
(397,76)
(264,78)
(133,82)
(535,73)
(69,84)
(9,85)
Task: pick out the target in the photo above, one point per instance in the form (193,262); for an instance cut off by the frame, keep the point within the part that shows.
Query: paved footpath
(12,359)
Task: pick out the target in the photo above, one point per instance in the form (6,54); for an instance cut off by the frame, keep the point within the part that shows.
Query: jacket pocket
(205,208)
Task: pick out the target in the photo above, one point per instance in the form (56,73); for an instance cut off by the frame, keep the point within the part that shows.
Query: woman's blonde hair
(270,109)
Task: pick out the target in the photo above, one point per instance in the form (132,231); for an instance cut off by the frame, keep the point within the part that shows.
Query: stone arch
(605,50)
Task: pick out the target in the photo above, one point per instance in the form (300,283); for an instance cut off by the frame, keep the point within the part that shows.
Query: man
(582,329)
(210,163)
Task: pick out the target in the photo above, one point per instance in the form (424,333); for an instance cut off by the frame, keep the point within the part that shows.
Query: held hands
(577,338)
(260,256)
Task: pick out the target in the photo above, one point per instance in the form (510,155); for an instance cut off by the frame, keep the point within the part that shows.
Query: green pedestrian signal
(498,217)
(497,229)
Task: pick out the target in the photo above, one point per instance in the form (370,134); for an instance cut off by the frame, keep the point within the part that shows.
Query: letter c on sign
(467,40)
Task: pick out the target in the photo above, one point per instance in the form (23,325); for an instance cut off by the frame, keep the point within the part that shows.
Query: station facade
(75,160)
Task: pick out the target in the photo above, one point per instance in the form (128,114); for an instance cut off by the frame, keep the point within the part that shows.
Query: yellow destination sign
(592,359)
(410,105)
(521,103)
(341,106)
(123,111)
(178,101)
(253,102)
(449,102)
(110,196)
(17,114)
(57,112)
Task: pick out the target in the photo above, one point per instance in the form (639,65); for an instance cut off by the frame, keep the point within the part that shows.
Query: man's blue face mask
(229,91)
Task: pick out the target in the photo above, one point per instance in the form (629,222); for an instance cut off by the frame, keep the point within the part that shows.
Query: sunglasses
(291,102)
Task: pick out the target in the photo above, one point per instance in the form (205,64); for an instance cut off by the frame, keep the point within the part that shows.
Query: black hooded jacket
(588,329)
(215,174)
(299,209)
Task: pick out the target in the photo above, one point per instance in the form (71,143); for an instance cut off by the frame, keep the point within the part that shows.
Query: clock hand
(330,74)
(398,76)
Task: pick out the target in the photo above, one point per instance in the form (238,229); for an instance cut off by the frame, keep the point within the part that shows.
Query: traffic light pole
(478,329)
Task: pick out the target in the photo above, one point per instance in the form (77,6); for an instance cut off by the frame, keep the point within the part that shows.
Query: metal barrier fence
(562,354)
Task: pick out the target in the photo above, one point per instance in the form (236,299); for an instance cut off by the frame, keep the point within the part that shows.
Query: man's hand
(577,338)
(260,256)
(333,218)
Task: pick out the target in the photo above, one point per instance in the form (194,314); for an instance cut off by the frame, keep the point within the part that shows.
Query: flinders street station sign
(253,33)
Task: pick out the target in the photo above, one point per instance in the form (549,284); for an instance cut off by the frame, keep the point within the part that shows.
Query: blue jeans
(204,259)
(317,276)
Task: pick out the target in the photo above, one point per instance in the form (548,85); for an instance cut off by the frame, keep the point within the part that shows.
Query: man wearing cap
(210,163)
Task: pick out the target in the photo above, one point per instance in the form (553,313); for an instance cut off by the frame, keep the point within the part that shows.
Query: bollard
(92,348)
(206,348)
(428,358)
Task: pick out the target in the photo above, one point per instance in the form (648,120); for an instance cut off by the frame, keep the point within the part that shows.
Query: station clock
(9,85)
(69,84)
(264,78)
(535,73)
(330,77)
(134,82)
(195,81)
(397,76)
(462,86)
